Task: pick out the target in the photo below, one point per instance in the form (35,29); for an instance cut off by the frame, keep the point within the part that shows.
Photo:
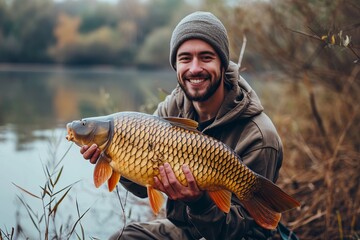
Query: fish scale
(185,142)
(134,145)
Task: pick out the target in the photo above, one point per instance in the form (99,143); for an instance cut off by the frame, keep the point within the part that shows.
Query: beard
(197,96)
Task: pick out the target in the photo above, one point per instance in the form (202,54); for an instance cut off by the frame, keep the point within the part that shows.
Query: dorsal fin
(183,123)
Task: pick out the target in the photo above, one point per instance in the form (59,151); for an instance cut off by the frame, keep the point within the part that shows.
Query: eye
(207,58)
(83,122)
(184,59)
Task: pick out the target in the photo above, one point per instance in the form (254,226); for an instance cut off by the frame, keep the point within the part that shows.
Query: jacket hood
(242,101)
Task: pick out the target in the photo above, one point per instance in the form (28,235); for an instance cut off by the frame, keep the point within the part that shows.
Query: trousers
(153,230)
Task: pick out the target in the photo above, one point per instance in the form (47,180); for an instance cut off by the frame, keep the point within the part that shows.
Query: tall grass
(51,196)
(311,50)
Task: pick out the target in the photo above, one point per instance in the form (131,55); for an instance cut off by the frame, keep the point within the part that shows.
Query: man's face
(198,69)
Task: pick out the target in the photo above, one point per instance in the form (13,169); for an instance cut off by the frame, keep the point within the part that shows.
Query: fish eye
(83,122)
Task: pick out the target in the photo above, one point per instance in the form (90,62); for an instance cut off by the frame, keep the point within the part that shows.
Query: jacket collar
(241,102)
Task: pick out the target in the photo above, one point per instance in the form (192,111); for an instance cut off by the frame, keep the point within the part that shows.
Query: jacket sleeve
(213,224)
(134,188)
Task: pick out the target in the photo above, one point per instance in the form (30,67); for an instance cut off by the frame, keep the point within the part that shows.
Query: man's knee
(130,231)
(157,229)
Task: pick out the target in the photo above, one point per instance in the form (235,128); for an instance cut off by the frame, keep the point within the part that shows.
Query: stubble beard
(197,97)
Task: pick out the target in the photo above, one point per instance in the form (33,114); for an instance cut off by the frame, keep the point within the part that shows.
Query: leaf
(58,203)
(82,231)
(45,192)
(41,218)
(51,201)
(81,226)
(58,176)
(68,186)
(49,176)
(22,189)
(30,215)
(78,237)
(77,221)
(62,158)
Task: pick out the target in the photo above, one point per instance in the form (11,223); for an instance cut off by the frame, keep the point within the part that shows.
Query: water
(35,104)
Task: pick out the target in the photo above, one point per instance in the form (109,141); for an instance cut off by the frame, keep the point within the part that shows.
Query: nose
(195,67)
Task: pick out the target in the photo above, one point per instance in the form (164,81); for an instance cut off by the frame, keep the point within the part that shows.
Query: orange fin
(222,199)
(113,180)
(268,202)
(262,215)
(274,197)
(102,171)
(183,123)
(156,199)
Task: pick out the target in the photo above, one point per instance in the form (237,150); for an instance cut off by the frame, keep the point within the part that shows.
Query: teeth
(196,80)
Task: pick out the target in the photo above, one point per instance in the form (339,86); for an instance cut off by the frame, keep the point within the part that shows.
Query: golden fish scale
(142,143)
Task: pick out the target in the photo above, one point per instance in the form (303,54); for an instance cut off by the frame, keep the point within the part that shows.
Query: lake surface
(35,105)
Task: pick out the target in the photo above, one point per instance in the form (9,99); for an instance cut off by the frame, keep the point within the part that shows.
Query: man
(211,92)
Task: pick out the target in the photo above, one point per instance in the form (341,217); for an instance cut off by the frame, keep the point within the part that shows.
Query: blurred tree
(99,15)
(4,18)
(131,15)
(28,30)
(46,31)
(160,12)
(101,46)
(66,31)
(154,53)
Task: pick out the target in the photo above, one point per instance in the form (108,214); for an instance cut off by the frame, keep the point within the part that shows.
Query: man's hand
(173,188)
(90,153)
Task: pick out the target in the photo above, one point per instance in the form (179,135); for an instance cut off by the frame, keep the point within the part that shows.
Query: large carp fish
(134,145)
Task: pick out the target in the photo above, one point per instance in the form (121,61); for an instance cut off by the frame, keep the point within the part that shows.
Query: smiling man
(210,91)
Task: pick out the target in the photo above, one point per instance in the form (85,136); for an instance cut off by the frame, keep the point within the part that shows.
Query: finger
(89,151)
(83,149)
(158,185)
(164,171)
(95,156)
(190,178)
(174,182)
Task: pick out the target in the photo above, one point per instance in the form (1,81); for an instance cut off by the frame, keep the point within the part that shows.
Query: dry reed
(316,80)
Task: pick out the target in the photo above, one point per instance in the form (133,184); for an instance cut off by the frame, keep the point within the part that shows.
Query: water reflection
(45,99)
(35,104)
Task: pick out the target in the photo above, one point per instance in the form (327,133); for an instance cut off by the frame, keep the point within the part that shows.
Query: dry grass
(313,98)
(325,179)
(44,219)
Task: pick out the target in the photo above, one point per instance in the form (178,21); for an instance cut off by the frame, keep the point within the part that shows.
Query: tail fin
(268,202)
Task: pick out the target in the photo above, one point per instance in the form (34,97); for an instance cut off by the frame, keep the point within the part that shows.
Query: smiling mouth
(197,81)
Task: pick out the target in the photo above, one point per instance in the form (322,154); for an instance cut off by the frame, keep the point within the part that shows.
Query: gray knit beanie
(204,26)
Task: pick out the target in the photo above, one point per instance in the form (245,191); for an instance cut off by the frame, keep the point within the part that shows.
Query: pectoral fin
(102,171)
(222,199)
(156,199)
(113,180)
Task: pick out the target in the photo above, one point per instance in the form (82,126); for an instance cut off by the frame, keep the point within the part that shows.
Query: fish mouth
(70,134)
(69,137)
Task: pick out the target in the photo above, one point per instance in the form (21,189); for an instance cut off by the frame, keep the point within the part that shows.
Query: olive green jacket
(242,125)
